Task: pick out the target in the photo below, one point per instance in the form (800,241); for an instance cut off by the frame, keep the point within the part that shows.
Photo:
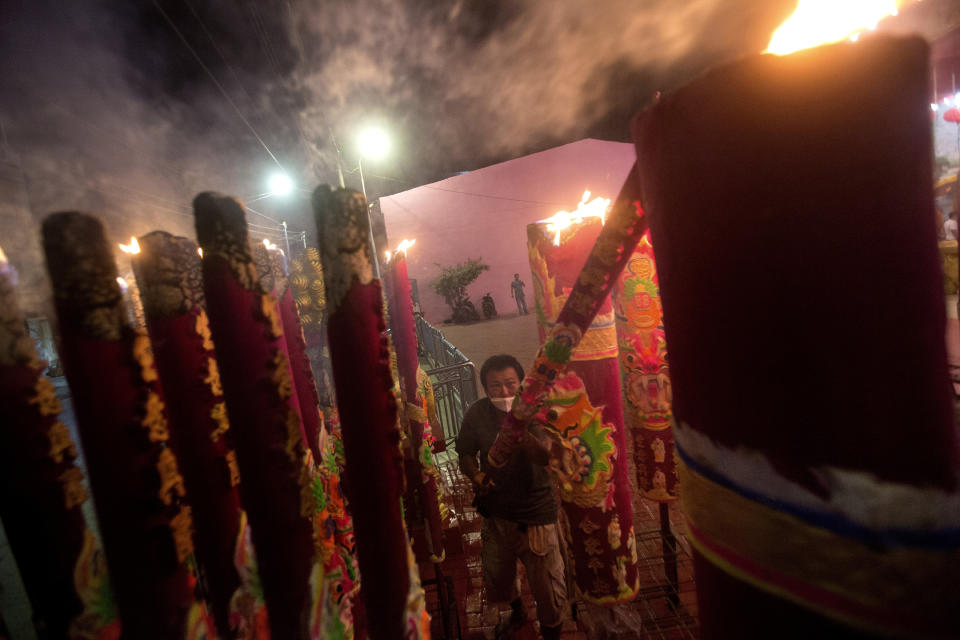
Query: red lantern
(952,115)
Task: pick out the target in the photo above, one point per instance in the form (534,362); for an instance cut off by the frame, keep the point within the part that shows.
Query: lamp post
(281,184)
(372,143)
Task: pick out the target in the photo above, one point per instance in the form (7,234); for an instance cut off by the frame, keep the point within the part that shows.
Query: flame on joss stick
(133,247)
(405,244)
(7,269)
(817,22)
(200,251)
(272,247)
(596,208)
(123,283)
(386,255)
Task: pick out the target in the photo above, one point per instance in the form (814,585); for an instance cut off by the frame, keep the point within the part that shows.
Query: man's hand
(537,449)
(482,483)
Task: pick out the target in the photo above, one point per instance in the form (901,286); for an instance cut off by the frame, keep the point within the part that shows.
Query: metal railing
(453,375)
(454,389)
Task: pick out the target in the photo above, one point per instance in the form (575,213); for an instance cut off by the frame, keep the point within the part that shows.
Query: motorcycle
(488,307)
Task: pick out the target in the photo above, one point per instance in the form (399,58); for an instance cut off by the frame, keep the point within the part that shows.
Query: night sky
(104,103)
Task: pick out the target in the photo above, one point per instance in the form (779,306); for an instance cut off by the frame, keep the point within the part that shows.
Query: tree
(452,285)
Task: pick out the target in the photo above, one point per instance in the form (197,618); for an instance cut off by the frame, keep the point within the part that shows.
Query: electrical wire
(306,143)
(266,43)
(263,215)
(216,82)
(467,193)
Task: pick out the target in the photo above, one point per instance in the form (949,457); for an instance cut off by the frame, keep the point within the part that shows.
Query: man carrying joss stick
(517,504)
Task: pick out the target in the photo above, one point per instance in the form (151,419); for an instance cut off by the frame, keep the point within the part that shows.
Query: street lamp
(374,144)
(280,184)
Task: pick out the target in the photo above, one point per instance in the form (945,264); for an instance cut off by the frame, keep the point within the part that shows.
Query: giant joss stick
(264,418)
(41,489)
(606,259)
(168,274)
(140,496)
(798,266)
(339,584)
(307,289)
(303,312)
(360,354)
(271,259)
(273,279)
(645,373)
(405,343)
(584,413)
(303,376)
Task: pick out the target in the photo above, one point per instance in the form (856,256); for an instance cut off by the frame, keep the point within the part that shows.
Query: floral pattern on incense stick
(172,491)
(583,458)
(645,373)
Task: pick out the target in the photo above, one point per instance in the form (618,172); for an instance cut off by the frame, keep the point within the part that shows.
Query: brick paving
(478,616)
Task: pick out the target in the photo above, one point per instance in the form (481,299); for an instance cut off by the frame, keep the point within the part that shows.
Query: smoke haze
(130,108)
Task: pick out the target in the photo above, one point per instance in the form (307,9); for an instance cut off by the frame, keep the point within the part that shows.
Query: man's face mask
(501,386)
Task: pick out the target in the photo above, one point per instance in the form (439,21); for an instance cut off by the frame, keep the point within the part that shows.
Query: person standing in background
(950,227)
(516,291)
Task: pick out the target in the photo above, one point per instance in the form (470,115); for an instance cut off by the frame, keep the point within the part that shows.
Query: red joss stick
(169,278)
(803,303)
(265,421)
(613,248)
(270,266)
(584,413)
(41,491)
(360,355)
(405,343)
(646,375)
(140,497)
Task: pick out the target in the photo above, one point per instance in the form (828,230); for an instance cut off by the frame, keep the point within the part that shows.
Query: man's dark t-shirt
(522,490)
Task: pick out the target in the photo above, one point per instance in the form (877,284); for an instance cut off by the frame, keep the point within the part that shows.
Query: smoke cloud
(474,81)
(104,109)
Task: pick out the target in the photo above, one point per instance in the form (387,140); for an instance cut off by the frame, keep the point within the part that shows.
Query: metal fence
(453,375)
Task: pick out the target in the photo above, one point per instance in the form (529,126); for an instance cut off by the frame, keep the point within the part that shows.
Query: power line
(215,81)
(263,215)
(155,163)
(467,193)
(296,117)
(267,45)
(233,73)
(262,226)
(178,207)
